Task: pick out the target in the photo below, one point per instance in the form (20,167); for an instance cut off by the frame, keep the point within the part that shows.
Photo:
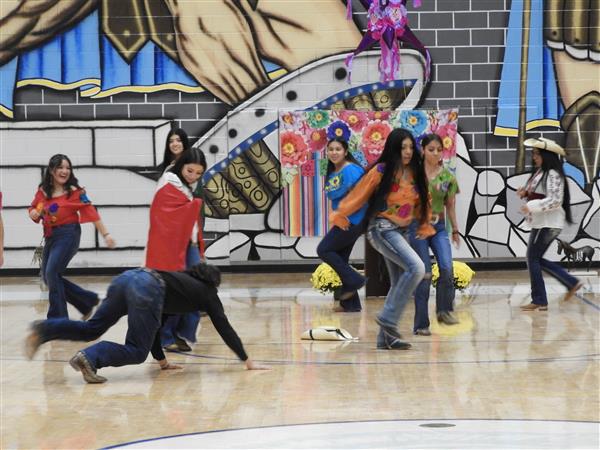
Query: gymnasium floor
(501,379)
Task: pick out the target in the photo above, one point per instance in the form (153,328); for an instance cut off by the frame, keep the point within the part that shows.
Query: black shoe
(88,314)
(446,318)
(394,344)
(422,332)
(182,346)
(389,330)
(80,363)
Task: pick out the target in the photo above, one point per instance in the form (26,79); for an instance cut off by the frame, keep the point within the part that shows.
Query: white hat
(545,144)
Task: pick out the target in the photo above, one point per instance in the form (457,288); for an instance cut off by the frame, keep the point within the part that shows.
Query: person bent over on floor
(145,296)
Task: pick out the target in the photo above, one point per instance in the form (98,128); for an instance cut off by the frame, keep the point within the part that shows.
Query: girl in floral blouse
(442,189)
(342,174)
(61,204)
(396,190)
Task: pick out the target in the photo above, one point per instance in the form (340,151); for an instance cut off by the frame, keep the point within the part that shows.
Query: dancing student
(396,190)
(342,174)
(172,244)
(442,190)
(142,295)
(62,205)
(547,208)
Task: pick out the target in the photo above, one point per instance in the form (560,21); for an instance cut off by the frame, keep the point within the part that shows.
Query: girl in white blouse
(546,210)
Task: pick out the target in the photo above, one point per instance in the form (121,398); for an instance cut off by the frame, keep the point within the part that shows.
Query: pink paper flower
(356,119)
(294,151)
(317,139)
(308,169)
(448,134)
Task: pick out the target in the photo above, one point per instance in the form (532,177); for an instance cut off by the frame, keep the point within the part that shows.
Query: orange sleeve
(425,228)
(356,198)
(37,203)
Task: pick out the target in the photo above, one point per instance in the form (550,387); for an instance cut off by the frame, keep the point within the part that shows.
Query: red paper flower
(373,139)
(294,151)
(448,134)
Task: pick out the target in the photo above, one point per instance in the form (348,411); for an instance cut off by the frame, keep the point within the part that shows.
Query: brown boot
(569,295)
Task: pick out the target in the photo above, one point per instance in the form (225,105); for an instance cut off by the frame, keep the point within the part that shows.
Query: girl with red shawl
(173,214)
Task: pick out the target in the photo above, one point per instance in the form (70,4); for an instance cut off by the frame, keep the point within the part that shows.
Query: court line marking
(341,422)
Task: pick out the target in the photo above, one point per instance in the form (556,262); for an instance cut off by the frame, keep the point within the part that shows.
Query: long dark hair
(391,157)
(168,156)
(189,156)
(551,161)
(349,157)
(47,180)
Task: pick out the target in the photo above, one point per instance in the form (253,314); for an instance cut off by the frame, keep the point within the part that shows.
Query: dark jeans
(539,241)
(59,249)
(183,326)
(444,292)
(335,249)
(139,295)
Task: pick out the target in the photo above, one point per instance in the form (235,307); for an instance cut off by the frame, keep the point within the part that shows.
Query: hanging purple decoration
(388,25)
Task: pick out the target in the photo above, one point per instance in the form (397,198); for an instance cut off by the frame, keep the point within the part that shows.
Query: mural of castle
(104,80)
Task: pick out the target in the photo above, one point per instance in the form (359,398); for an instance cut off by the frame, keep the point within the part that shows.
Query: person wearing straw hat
(546,210)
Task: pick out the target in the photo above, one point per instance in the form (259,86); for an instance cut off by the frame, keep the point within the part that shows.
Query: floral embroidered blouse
(401,202)
(71,207)
(441,187)
(340,183)
(545,204)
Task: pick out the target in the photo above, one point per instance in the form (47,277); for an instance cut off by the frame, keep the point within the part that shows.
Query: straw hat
(545,144)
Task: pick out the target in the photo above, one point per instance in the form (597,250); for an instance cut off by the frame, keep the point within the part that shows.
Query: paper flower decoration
(388,26)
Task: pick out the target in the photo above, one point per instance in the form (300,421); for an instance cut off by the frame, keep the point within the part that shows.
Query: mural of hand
(215,45)
(293,34)
(28,23)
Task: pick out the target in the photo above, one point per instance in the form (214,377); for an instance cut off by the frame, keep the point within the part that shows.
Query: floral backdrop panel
(303,137)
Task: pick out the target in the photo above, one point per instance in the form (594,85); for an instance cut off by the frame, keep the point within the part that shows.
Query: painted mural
(255,60)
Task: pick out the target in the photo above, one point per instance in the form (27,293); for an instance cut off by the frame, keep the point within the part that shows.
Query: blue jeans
(59,249)
(539,241)
(182,325)
(404,266)
(335,249)
(138,294)
(444,293)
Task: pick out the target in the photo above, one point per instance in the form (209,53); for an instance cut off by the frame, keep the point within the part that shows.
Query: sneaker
(33,341)
(446,318)
(389,330)
(569,295)
(423,332)
(393,344)
(182,346)
(80,363)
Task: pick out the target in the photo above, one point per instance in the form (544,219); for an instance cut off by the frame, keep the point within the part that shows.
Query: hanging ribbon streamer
(388,25)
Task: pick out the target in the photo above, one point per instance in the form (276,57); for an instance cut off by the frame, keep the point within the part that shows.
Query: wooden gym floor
(501,379)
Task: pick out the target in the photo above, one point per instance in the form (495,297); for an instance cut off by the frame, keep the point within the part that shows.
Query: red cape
(172,218)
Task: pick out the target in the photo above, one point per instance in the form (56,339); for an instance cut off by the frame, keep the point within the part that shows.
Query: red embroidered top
(74,207)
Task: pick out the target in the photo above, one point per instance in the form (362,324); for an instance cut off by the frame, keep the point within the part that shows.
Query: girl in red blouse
(61,204)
